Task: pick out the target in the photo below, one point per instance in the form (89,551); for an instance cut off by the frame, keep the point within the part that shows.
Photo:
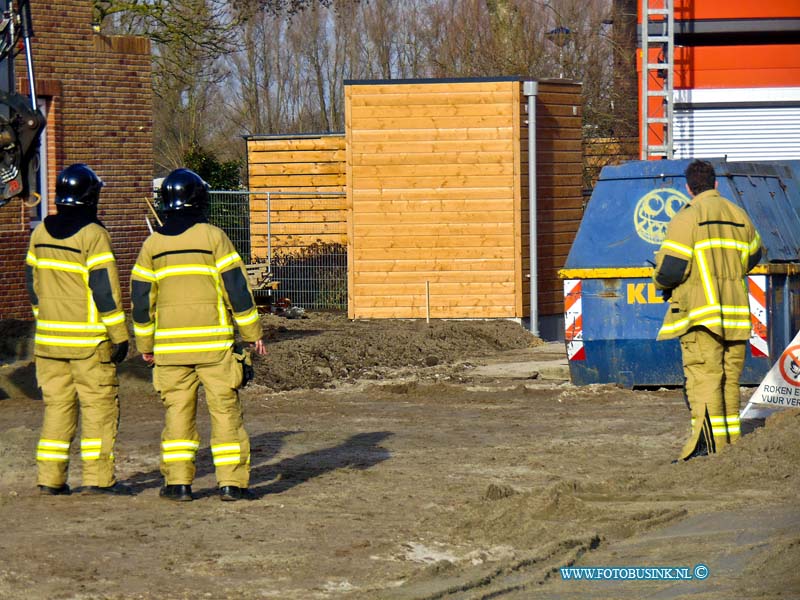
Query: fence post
(269,230)
(427,301)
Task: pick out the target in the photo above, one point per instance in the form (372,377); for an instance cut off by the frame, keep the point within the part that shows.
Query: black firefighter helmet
(78,185)
(183,189)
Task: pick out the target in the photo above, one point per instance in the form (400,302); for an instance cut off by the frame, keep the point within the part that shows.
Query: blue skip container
(612,309)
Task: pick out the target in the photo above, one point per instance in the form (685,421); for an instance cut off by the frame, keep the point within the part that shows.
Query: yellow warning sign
(654,211)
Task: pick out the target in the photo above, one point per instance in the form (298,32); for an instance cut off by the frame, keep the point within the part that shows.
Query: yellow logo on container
(654,211)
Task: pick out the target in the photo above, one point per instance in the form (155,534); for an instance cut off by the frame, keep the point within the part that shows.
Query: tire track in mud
(513,576)
(612,512)
(522,574)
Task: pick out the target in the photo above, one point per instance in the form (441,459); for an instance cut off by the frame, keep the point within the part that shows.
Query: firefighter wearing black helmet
(189,288)
(80,335)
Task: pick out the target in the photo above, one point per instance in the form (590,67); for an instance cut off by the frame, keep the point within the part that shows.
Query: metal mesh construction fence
(230,211)
(300,236)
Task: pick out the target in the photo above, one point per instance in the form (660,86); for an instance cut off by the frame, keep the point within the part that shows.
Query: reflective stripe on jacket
(710,246)
(74,290)
(188,291)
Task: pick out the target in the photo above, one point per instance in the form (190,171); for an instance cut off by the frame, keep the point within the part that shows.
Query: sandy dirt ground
(406,461)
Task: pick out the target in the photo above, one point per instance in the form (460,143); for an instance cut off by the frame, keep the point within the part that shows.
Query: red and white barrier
(757,287)
(573,319)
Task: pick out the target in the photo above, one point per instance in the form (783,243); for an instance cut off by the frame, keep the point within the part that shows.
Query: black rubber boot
(46,490)
(177,493)
(118,489)
(231,493)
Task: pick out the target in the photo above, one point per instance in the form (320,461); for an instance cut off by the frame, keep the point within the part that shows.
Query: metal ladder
(660,15)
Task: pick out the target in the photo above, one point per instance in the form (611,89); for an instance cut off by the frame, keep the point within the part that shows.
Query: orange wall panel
(736,9)
(689,10)
(733,66)
(737,66)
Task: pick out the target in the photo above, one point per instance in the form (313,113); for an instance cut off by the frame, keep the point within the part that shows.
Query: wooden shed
(302,180)
(437,190)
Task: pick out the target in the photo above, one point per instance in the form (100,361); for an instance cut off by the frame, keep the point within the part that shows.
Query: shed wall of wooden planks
(299,164)
(559,178)
(437,190)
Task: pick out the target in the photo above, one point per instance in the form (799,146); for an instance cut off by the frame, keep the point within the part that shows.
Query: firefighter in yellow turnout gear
(80,336)
(188,288)
(709,248)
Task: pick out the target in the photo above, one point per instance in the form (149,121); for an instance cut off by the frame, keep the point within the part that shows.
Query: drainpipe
(7,80)
(530,89)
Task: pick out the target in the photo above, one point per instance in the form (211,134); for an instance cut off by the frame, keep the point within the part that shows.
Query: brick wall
(99,112)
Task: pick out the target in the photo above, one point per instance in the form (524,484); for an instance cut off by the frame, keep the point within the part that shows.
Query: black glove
(248,372)
(119,352)
(666,294)
(242,355)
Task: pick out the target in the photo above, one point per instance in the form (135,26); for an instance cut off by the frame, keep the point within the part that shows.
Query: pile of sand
(761,463)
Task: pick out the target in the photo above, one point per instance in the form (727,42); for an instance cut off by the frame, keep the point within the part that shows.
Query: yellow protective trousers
(712,368)
(230,445)
(89,384)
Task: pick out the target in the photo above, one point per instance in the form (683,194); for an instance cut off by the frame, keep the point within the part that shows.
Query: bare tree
(197,29)
(188,37)
(258,95)
(223,68)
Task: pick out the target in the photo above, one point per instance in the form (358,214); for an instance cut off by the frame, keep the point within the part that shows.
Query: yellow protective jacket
(710,246)
(74,289)
(184,289)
